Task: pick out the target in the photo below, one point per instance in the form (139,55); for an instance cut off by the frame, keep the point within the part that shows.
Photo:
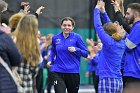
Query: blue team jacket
(109,63)
(132,57)
(63,60)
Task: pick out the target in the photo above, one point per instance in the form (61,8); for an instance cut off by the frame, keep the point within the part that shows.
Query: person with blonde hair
(14,19)
(28,46)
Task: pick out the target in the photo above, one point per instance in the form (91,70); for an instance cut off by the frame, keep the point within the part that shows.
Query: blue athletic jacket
(109,63)
(64,60)
(132,57)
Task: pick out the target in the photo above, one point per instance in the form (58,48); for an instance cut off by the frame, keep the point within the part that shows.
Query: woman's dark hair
(6,15)
(3,7)
(68,18)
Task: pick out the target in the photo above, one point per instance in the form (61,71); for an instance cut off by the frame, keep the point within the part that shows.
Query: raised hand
(26,9)
(116,5)
(101,6)
(39,10)
(90,42)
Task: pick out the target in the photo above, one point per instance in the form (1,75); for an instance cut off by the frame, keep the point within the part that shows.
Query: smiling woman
(67,25)
(64,59)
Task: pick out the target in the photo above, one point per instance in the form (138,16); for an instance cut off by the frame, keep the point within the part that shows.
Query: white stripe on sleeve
(130,44)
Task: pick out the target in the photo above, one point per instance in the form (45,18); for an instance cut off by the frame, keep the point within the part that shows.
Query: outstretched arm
(105,17)
(119,17)
(105,38)
(39,10)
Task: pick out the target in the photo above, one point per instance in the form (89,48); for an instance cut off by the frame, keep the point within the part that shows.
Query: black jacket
(119,17)
(12,57)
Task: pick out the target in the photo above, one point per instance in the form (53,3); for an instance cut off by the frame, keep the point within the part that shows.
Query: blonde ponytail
(116,36)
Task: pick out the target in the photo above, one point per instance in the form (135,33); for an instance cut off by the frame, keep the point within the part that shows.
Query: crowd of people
(114,59)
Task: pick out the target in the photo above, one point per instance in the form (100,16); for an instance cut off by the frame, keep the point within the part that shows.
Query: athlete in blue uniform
(67,49)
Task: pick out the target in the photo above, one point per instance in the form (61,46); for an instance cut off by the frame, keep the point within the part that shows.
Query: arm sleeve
(95,59)
(13,53)
(36,15)
(81,48)
(133,39)
(119,17)
(105,17)
(104,37)
(52,51)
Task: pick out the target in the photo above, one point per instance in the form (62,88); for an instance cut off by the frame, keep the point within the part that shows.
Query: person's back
(110,59)
(113,47)
(26,41)
(11,56)
(27,73)
(109,63)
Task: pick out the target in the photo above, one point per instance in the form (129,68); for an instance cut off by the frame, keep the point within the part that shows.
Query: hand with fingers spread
(90,41)
(39,10)
(25,6)
(26,9)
